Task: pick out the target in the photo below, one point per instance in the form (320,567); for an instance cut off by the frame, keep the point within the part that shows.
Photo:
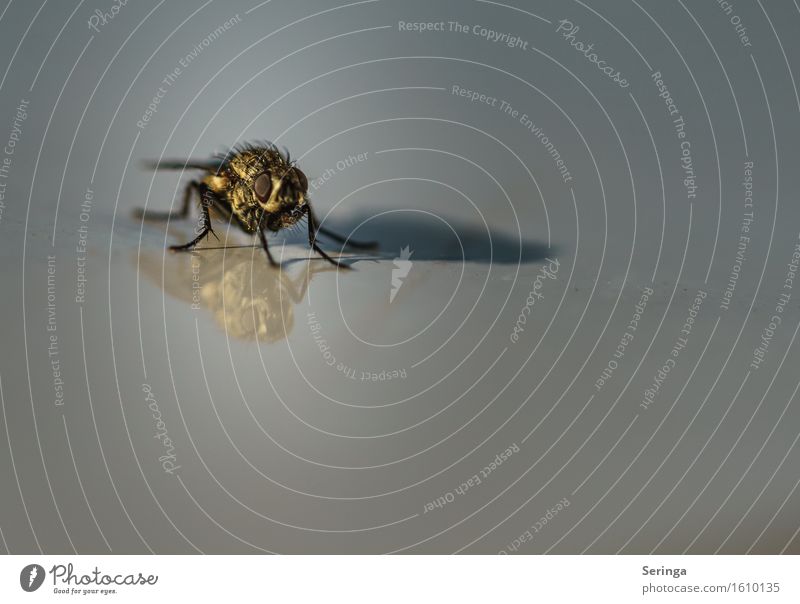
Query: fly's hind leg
(207,199)
(359,245)
(312,241)
(183,212)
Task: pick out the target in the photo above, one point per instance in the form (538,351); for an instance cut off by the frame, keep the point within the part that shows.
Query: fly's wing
(183,164)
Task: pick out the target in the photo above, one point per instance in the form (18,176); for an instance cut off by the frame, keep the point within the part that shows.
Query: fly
(257,187)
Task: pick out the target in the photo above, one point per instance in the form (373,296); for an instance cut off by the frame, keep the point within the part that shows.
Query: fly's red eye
(263,187)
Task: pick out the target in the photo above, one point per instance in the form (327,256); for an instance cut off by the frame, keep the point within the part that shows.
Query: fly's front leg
(178,214)
(207,199)
(264,243)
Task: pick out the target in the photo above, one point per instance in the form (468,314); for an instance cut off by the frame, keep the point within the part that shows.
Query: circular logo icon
(31,577)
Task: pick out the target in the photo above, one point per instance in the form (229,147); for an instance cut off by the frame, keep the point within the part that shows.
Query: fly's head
(269,186)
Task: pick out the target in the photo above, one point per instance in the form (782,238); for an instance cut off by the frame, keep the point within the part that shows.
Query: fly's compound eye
(303,180)
(263,187)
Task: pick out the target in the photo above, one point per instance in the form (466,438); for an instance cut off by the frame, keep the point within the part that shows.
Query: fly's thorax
(245,205)
(247,165)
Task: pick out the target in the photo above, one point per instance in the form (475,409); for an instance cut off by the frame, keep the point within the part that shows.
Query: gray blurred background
(590,347)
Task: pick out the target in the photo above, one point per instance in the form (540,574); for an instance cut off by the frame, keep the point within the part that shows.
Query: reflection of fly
(245,296)
(255,186)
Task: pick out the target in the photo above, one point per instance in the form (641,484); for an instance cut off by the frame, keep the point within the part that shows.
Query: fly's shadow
(436,239)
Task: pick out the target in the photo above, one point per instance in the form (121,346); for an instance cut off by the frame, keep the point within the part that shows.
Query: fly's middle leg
(207,199)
